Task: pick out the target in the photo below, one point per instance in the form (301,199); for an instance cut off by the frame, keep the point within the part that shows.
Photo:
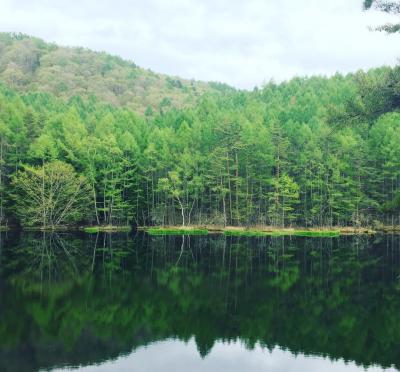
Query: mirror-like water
(135,302)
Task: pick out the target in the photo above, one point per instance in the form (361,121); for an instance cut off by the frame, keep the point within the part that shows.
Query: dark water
(140,303)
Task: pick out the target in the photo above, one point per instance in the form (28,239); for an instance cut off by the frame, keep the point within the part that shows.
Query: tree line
(310,152)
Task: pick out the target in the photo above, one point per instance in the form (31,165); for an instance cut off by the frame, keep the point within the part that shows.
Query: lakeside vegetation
(261,231)
(308,153)
(176,231)
(310,233)
(109,229)
(148,216)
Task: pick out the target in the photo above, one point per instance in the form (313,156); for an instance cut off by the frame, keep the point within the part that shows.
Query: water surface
(131,302)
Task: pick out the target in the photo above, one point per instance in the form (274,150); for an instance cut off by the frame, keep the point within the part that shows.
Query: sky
(174,355)
(244,43)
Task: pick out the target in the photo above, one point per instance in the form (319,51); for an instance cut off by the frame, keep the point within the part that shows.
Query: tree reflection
(83,299)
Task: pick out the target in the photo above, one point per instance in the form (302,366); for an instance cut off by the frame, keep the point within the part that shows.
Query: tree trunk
(95,204)
(182,211)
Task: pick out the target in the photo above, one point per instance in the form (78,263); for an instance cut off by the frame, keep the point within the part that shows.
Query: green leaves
(391,7)
(50,196)
(297,153)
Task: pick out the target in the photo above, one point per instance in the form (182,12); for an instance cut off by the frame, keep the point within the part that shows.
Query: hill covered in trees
(311,151)
(30,64)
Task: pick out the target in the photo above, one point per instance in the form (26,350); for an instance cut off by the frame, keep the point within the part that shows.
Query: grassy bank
(61,228)
(72,228)
(176,231)
(283,232)
(389,229)
(106,228)
(258,231)
(228,230)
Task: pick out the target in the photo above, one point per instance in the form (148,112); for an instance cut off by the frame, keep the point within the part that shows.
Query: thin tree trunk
(95,204)
(229,187)
(182,211)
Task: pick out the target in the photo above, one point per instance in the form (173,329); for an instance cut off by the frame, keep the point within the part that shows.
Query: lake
(134,302)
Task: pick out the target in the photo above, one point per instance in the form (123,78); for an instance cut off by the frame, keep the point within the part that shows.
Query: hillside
(29,64)
(310,152)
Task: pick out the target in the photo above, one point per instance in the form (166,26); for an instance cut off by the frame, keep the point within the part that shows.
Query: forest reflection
(72,299)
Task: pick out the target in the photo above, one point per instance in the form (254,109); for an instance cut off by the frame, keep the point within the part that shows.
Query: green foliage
(176,231)
(391,7)
(106,228)
(50,195)
(318,234)
(29,64)
(247,233)
(278,232)
(91,230)
(308,152)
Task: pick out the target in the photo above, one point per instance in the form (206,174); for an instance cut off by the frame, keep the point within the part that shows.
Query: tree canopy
(50,195)
(29,64)
(390,7)
(309,152)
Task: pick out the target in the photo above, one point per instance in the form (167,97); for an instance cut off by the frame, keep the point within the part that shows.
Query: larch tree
(50,195)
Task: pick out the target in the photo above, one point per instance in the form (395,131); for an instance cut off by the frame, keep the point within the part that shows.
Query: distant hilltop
(30,64)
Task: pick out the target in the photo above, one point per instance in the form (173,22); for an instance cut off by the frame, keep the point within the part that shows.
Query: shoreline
(265,230)
(216,229)
(86,229)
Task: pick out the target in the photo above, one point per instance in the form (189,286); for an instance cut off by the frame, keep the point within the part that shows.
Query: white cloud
(243,43)
(173,355)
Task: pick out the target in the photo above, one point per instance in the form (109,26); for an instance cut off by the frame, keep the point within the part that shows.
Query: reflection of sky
(176,356)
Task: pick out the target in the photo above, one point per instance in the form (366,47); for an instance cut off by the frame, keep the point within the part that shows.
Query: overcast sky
(174,355)
(241,42)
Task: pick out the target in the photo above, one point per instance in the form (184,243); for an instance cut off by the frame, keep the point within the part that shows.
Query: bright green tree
(50,195)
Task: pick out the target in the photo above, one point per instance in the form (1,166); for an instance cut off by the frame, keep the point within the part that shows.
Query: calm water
(140,303)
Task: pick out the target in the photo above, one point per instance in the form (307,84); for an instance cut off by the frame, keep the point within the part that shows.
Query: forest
(310,152)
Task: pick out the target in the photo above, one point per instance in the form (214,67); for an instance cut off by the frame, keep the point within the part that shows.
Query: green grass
(176,231)
(91,230)
(258,233)
(248,233)
(243,233)
(96,229)
(318,234)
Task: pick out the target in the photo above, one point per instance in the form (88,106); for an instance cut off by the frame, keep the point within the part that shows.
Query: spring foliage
(308,152)
(50,195)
